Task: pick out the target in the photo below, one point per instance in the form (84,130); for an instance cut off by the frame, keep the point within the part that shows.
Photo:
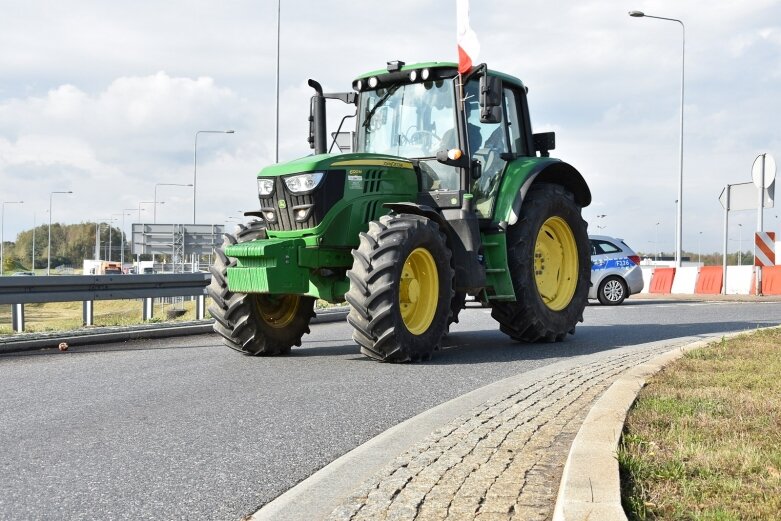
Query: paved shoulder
(495,453)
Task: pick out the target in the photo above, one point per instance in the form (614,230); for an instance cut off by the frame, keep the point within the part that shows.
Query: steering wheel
(424,138)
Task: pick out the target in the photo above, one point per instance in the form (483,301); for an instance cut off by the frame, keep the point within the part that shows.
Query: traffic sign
(743,196)
(765,243)
(763,171)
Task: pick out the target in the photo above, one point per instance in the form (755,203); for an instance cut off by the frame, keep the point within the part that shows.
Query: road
(187,429)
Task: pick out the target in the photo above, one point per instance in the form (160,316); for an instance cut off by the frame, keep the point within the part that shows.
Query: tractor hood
(335,161)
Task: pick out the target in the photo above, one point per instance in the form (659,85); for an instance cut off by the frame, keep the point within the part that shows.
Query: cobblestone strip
(502,461)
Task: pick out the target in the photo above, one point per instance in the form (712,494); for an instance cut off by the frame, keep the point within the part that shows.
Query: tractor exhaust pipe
(317,128)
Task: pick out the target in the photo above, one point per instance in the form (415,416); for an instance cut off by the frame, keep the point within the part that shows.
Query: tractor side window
(513,124)
(487,141)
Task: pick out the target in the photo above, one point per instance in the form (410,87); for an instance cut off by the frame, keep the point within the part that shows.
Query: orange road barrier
(709,281)
(771,280)
(662,281)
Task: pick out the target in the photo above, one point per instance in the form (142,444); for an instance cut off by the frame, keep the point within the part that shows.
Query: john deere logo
(282,204)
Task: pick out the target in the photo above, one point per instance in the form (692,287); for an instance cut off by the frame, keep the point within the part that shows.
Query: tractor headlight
(265,186)
(303,182)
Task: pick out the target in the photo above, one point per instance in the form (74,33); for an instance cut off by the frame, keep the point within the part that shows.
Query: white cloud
(104,99)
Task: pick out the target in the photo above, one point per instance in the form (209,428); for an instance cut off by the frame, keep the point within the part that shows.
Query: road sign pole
(760,214)
(726,237)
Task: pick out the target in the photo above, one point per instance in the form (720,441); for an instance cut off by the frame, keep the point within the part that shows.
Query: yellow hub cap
(418,291)
(277,311)
(556,263)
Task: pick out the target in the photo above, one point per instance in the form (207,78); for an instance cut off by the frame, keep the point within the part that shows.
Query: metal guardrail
(18,291)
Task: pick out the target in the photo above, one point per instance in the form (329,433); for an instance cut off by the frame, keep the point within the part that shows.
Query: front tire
(401,287)
(548,258)
(612,291)
(255,324)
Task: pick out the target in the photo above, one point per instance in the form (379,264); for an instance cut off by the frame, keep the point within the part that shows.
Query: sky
(104,99)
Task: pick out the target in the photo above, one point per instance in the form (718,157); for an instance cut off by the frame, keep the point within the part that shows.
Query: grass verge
(67,316)
(703,439)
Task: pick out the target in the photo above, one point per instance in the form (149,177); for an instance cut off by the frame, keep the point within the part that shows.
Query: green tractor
(446,192)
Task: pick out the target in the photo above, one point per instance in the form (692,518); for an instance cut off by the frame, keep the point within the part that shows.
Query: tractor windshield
(414,121)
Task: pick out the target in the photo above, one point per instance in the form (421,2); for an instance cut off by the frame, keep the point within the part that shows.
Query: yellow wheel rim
(418,291)
(277,311)
(556,263)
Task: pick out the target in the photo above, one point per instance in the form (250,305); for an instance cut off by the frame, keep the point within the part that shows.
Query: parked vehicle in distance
(615,270)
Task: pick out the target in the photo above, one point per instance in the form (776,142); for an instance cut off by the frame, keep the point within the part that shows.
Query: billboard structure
(183,243)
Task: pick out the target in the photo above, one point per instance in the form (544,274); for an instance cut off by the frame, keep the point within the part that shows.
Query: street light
(123,227)
(49,248)
(154,213)
(2,232)
(699,248)
(679,225)
(195,159)
(740,245)
(657,241)
(121,238)
(601,216)
(146,202)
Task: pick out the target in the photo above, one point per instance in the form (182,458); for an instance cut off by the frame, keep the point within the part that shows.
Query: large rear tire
(255,324)
(548,258)
(401,287)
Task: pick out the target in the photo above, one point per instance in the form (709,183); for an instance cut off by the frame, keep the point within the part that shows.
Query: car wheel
(612,291)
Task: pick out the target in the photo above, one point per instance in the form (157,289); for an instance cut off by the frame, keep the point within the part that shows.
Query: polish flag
(468,46)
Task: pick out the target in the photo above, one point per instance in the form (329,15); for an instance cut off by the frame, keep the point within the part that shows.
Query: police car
(615,270)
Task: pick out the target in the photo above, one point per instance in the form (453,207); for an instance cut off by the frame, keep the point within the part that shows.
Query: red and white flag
(468,46)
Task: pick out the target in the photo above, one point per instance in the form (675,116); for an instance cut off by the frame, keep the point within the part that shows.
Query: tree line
(70,245)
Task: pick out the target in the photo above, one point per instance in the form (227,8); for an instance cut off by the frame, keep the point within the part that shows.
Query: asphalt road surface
(186,429)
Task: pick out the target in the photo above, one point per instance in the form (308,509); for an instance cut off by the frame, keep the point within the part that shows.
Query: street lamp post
(699,248)
(122,238)
(657,241)
(123,226)
(679,225)
(2,233)
(276,123)
(32,266)
(601,216)
(49,248)
(195,159)
(154,212)
(740,245)
(108,253)
(146,202)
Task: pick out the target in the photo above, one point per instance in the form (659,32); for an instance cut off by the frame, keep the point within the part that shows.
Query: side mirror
(453,157)
(490,99)
(544,142)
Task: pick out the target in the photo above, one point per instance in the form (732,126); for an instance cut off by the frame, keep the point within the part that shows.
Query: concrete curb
(33,341)
(590,487)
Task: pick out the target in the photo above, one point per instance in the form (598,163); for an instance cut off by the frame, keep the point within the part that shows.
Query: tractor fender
(419,209)
(559,173)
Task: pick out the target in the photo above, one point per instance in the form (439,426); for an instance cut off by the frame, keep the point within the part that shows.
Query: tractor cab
(459,136)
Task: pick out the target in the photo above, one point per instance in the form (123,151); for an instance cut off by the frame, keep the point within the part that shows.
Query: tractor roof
(446,69)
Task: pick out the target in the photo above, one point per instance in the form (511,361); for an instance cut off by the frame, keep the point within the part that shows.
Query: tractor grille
(313,205)
(372,180)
